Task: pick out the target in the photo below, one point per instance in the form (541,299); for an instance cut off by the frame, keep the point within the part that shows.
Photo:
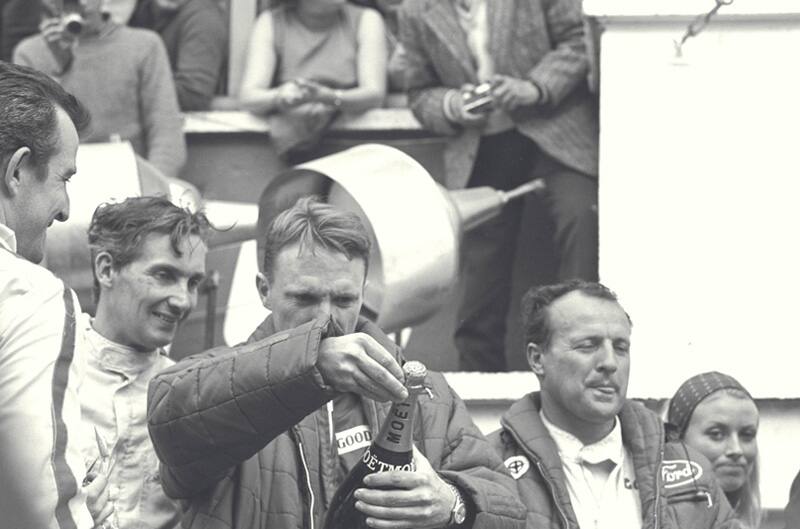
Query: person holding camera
(121,74)
(505,80)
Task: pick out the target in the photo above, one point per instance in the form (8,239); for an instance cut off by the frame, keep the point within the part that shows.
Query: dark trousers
(505,161)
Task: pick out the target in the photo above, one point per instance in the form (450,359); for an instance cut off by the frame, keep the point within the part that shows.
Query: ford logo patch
(677,472)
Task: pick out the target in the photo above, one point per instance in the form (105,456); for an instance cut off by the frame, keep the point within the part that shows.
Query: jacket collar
(642,435)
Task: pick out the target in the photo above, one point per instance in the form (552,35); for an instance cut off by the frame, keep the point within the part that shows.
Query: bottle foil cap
(414,372)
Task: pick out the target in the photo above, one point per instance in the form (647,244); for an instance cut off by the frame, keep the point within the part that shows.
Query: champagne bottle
(392,449)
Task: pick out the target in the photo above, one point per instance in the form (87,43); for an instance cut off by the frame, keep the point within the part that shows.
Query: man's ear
(262,285)
(12,179)
(103,268)
(535,354)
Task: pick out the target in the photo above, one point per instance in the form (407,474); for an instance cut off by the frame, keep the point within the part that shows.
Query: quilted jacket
(676,484)
(243,437)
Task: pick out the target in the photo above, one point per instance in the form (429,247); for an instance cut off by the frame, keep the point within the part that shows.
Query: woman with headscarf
(714,414)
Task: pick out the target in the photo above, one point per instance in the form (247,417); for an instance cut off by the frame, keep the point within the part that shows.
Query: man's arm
(426,92)
(567,64)
(41,466)
(209,413)
(199,59)
(163,125)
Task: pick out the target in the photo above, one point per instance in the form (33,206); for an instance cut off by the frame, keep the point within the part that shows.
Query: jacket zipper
(657,506)
(552,492)
(308,483)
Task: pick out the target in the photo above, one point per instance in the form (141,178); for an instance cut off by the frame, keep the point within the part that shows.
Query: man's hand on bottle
(357,363)
(404,500)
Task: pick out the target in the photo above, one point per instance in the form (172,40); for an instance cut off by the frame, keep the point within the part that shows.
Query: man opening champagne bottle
(262,434)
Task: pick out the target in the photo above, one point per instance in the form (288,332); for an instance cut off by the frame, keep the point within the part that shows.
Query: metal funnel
(416,225)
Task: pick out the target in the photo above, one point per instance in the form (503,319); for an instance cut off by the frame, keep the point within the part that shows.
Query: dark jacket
(196,40)
(670,497)
(241,436)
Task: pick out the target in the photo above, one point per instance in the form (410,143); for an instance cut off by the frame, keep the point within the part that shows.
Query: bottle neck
(397,432)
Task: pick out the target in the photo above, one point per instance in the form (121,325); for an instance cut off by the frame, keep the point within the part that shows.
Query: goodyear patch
(353,439)
(517,466)
(678,472)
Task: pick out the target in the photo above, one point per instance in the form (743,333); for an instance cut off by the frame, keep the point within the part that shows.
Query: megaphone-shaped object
(415,224)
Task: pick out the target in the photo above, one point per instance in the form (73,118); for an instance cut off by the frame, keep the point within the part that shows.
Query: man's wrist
(458,510)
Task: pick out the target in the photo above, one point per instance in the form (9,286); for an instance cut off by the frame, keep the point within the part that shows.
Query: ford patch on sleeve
(677,472)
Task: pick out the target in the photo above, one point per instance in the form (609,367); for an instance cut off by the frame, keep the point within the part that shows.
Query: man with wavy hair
(148,257)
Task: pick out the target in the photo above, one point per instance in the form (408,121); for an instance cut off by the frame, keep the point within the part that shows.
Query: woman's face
(723,428)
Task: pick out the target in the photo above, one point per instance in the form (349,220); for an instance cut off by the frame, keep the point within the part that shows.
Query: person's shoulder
(139,36)
(29,47)
(201,13)
(20,276)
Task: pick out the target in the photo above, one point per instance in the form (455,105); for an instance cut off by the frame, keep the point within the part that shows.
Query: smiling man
(149,259)
(582,454)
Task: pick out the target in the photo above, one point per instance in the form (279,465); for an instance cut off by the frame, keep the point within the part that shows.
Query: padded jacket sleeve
(469,462)
(209,413)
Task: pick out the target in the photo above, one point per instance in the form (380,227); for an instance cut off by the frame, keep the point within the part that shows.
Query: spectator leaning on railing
(196,39)
(121,74)
(309,59)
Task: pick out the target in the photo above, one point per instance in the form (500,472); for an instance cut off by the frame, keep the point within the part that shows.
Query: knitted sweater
(123,77)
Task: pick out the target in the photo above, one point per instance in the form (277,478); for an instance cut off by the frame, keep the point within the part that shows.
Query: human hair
(679,414)
(28,101)
(538,299)
(120,229)
(314,224)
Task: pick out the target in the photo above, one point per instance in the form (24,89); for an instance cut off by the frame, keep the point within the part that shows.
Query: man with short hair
(148,257)
(583,455)
(196,40)
(41,467)
(258,436)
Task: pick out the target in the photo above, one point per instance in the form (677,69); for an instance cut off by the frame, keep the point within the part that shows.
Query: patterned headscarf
(693,392)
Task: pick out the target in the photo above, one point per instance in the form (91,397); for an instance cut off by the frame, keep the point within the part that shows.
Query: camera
(72,23)
(478,100)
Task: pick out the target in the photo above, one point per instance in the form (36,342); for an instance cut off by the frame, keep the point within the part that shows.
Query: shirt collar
(117,357)
(570,447)
(8,239)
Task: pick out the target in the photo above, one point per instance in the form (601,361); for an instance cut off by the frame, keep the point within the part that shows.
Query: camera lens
(73,23)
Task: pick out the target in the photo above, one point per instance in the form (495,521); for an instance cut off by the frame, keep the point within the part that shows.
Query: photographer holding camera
(120,74)
(506,81)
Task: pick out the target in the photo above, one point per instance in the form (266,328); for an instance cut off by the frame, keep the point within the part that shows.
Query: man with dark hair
(196,40)
(583,455)
(260,435)
(149,259)
(41,467)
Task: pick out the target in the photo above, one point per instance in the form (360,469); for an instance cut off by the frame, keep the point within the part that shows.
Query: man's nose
(63,213)
(324,308)
(182,298)
(608,360)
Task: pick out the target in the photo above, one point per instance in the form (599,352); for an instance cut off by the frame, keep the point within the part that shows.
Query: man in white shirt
(149,260)
(41,468)
(581,453)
